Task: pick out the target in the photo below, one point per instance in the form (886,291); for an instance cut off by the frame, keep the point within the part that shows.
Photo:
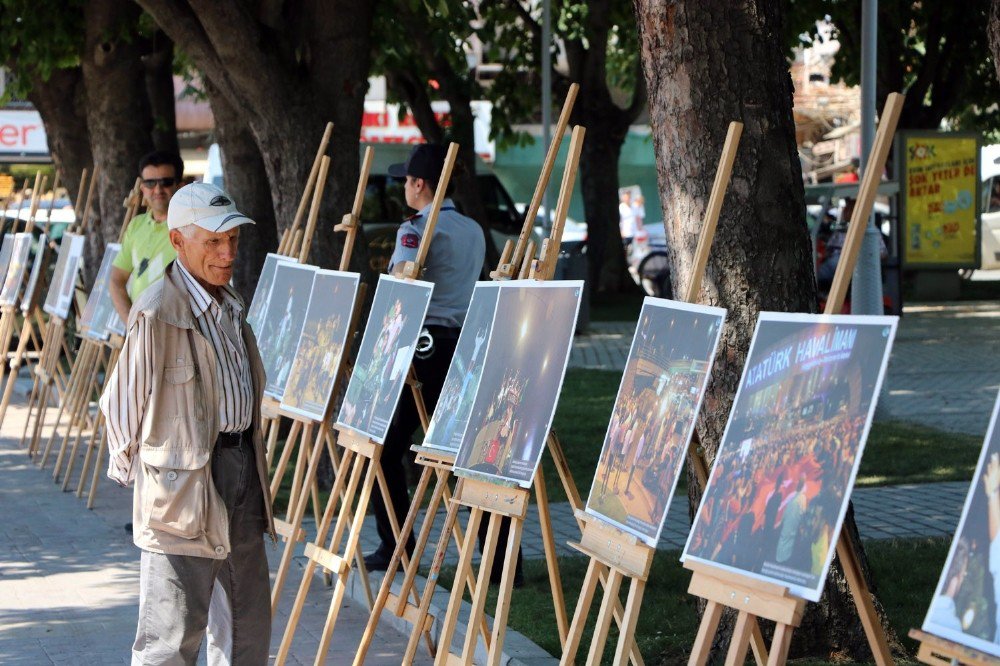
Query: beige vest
(176,509)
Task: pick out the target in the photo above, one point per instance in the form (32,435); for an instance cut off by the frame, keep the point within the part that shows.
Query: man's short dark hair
(161,158)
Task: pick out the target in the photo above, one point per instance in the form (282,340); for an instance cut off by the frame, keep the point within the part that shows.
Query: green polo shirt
(145,253)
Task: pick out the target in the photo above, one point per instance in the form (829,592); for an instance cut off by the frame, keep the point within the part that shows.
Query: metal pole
(866,287)
(546,100)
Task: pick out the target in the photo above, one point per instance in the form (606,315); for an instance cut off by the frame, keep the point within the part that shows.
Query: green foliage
(38,37)
(936,52)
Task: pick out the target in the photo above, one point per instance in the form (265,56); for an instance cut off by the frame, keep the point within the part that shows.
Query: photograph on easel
(282,324)
(6,251)
(36,271)
(97,313)
(451,416)
(314,369)
(523,373)
(779,487)
(654,415)
(60,296)
(262,293)
(16,267)
(967,600)
(383,361)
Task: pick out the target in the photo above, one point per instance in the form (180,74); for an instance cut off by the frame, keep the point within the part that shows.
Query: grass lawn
(668,621)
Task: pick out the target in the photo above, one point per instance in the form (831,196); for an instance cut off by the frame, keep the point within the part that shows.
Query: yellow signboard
(940,181)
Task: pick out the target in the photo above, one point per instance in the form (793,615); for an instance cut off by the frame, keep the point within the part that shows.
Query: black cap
(426,161)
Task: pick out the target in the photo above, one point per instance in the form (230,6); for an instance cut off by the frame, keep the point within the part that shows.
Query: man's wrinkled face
(159,183)
(207,255)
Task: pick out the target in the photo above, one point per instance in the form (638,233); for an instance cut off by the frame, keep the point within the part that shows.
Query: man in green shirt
(146,248)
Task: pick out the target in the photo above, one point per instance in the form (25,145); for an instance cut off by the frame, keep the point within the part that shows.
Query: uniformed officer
(453,264)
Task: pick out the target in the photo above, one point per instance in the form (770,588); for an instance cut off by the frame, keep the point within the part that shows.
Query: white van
(990,170)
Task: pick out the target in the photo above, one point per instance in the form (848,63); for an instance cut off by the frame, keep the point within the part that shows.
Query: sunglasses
(162,182)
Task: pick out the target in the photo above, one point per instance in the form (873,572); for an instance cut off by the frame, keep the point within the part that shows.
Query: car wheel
(654,275)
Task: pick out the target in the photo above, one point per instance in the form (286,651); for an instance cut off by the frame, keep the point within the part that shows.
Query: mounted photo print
(653,419)
(321,346)
(522,375)
(31,289)
(967,600)
(261,294)
(17,265)
(451,416)
(282,324)
(100,308)
(780,484)
(60,297)
(383,361)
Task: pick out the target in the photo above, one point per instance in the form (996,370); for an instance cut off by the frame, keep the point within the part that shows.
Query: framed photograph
(967,598)
(779,487)
(282,324)
(451,416)
(383,361)
(321,346)
(522,375)
(658,401)
(99,309)
(261,294)
(28,299)
(17,266)
(6,251)
(60,296)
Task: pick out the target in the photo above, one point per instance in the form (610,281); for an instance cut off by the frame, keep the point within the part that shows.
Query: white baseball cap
(206,205)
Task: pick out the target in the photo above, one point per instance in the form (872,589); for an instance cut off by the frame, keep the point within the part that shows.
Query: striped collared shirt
(220,322)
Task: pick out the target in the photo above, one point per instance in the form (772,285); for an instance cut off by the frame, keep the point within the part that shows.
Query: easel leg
(626,637)
(506,589)
(551,557)
(482,588)
(737,654)
(286,454)
(604,617)
(779,646)
(706,630)
(583,604)
(455,601)
(102,444)
(863,601)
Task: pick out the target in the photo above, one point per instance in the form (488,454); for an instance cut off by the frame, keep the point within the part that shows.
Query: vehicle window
(500,212)
(372,209)
(991,189)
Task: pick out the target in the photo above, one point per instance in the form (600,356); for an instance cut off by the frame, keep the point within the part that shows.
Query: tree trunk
(61,102)
(707,63)
(246,180)
(159,68)
(993,33)
(118,114)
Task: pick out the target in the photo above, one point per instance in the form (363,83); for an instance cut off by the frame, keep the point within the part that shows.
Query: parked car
(649,261)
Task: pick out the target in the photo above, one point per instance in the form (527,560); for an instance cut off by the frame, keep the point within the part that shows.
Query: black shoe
(518,578)
(378,560)
(128,527)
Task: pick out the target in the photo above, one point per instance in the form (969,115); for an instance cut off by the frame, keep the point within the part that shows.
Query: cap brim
(223,223)
(397,170)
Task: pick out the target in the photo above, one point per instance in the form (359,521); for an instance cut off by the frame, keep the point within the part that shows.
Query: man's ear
(176,239)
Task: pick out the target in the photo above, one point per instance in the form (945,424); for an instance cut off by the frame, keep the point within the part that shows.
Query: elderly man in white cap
(183,416)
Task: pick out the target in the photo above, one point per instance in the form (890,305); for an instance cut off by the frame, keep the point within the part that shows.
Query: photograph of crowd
(261,294)
(522,375)
(99,308)
(321,346)
(282,323)
(17,264)
(383,361)
(654,414)
(60,296)
(780,483)
(966,605)
(6,251)
(36,271)
(451,416)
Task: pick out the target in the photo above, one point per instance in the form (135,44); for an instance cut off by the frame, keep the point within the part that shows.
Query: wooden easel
(8,313)
(609,548)
(87,369)
(752,598)
(939,651)
(360,456)
(499,501)
(53,347)
(438,464)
